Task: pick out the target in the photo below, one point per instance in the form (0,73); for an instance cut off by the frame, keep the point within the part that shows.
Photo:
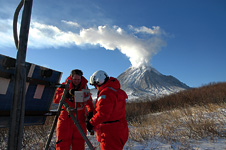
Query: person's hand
(89,126)
(70,93)
(89,115)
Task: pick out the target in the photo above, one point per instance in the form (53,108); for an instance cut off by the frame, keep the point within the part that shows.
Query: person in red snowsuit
(109,120)
(67,134)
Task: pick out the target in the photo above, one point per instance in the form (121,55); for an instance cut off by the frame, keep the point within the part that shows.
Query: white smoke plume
(138,44)
(139,51)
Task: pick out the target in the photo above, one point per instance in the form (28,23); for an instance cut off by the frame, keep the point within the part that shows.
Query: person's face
(76,79)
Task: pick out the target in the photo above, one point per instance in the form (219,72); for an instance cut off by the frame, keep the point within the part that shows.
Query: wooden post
(18,104)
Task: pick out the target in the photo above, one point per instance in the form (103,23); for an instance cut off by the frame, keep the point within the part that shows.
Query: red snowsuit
(109,120)
(67,133)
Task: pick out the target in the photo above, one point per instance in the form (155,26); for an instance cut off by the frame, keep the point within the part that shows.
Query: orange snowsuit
(67,133)
(109,119)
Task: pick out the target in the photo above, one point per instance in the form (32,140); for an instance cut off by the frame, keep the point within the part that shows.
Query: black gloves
(89,115)
(89,126)
(71,91)
(70,94)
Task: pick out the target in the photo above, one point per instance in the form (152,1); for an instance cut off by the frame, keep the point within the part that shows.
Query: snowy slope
(146,81)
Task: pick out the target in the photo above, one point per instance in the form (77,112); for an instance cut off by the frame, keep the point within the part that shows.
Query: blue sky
(182,38)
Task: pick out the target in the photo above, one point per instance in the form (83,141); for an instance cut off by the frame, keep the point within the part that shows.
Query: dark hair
(76,71)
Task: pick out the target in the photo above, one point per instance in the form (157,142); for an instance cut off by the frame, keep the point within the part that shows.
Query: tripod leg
(57,116)
(79,127)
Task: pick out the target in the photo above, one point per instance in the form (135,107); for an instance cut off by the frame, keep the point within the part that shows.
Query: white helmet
(98,78)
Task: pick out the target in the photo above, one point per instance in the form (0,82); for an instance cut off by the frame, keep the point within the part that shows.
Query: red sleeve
(104,108)
(58,95)
(89,105)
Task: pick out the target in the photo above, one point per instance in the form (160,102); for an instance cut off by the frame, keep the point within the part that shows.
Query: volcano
(145,81)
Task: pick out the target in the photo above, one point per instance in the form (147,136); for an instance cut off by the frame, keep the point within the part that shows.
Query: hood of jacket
(112,82)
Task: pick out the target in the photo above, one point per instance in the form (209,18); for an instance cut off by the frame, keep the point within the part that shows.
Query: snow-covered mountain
(146,81)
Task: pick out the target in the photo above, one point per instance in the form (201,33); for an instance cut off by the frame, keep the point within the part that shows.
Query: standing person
(109,118)
(67,133)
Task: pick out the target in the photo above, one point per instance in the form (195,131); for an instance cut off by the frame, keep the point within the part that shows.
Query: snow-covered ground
(157,144)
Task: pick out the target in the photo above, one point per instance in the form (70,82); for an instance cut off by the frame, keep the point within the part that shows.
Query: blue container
(41,84)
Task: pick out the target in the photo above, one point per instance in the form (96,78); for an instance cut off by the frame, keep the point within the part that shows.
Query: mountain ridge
(146,81)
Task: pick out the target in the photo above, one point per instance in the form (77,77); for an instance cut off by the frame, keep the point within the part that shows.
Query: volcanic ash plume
(139,50)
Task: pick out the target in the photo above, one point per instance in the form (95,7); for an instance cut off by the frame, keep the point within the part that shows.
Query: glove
(70,93)
(89,126)
(89,115)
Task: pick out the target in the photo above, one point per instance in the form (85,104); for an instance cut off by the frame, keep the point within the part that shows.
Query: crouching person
(109,120)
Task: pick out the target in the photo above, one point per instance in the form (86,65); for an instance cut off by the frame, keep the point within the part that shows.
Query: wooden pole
(18,104)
